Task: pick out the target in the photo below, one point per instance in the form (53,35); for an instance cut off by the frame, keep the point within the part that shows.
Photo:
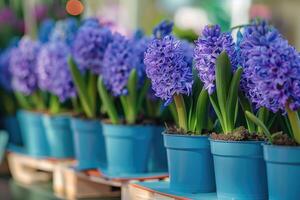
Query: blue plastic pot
(11,125)
(127,148)
(190,163)
(240,170)
(88,143)
(33,133)
(158,154)
(60,137)
(283,169)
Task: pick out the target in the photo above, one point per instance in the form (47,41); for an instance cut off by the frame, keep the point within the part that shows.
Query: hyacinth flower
(6,92)
(64,30)
(169,67)
(23,67)
(216,62)
(123,78)
(272,65)
(45,30)
(86,63)
(54,76)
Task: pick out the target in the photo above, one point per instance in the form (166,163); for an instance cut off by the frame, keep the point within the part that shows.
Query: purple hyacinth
(271,68)
(23,66)
(168,67)
(119,59)
(64,30)
(140,43)
(163,29)
(90,44)
(45,29)
(53,72)
(5,74)
(208,48)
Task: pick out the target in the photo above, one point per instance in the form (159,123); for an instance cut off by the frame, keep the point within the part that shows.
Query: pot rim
(280,146)
(128,125)
(238,142)
(184,135)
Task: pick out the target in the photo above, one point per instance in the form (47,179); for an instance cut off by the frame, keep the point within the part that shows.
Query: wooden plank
(29,170)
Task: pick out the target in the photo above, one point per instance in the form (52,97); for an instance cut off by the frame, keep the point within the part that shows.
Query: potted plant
(122,87)
(9,104)
(238,159)
(169,68)
(23,67)
(54,77)
(85,64)
(272,69)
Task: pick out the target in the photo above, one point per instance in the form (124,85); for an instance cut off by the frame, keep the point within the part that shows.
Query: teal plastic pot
(283,169)
(240,170)
(190,163)
(60,136)
(158,154)
(88,143)
(127,148)
(11,125)
(33,133)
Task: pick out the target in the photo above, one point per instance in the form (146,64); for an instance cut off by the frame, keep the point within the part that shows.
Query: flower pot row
(116,148)
(235,169)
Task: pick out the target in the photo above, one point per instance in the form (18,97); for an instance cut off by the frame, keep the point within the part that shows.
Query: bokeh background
(189,16)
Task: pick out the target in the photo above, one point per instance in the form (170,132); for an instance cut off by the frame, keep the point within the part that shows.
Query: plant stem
(38,100)
(181,111)
(54,105)
(23,101)
(92,90)
(295,123)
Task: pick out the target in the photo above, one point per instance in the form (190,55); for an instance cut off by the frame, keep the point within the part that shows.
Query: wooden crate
(71,184)
(29,170)
(91,184)
(136,192)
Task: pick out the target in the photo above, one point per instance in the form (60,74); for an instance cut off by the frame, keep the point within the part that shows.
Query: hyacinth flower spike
(271,65)
(23,65)
(216,62)
(86,62)
(123,78)
(169,67)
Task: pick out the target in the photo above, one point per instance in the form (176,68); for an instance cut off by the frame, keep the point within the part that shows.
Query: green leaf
(232,98)
(132,97)
(202,110)
(223,78)
(214,103)
(259,123)
(294,122)
(23,101)
(246,106)
(81,89)
(92,90)
(142,95)
(54,105)
(108,102)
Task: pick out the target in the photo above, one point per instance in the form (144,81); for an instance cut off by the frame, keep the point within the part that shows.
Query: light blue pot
(240,170)
(88,143)
(158,154)
(11,125)
(283,169)
(190,163)
(127,148)
(33,133)
(59,135)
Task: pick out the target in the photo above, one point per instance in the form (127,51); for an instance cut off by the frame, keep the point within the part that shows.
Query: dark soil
(284,140)
(179,131)
(240,134)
